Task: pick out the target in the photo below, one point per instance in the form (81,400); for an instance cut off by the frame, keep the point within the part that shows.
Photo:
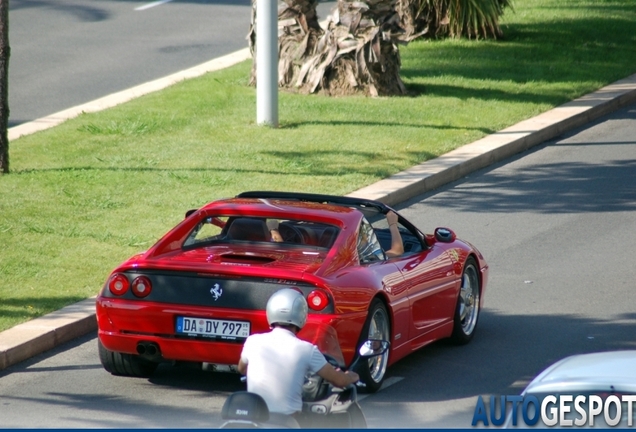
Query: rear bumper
(175,349)
(124,324)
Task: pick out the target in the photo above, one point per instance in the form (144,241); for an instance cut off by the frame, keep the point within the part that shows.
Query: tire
(467,310)
(377,326)
(125,364)
(356,417)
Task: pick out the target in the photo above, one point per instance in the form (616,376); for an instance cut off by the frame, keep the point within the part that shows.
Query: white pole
(267,62)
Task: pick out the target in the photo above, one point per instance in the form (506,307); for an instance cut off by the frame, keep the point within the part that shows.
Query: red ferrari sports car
(202,289)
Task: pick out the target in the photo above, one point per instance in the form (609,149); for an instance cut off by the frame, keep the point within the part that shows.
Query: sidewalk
(41,334)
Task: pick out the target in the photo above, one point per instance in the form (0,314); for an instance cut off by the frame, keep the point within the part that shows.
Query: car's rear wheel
(125,364)
(377,326)
(467,310)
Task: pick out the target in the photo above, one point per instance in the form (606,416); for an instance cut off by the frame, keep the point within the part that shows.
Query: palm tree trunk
(358,51)
(298,31)
(356,54)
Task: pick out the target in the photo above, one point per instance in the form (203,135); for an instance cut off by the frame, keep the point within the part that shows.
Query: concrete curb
(41,334)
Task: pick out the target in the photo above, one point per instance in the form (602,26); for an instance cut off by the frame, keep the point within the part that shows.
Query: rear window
(239,229)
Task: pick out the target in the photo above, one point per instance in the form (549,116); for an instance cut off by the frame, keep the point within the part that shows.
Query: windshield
(233,229)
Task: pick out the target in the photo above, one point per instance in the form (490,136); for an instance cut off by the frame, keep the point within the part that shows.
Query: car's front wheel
(125,364)
(467,309)
(377,326)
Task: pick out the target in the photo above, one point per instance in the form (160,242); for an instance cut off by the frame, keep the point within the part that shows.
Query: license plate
(214,328)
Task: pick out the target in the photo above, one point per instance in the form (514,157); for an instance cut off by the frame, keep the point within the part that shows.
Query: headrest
(248,229)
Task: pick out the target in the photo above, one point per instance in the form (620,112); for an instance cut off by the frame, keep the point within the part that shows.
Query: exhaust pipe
(149,350)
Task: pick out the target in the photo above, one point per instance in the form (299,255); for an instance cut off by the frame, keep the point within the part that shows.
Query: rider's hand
(353,376)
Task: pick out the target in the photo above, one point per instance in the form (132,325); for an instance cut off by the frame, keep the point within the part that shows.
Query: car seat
(248,229)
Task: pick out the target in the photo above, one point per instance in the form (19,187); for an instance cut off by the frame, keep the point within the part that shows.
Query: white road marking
(153,4)
(387,383)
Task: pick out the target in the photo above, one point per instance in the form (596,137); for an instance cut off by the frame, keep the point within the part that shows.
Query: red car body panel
(419,289)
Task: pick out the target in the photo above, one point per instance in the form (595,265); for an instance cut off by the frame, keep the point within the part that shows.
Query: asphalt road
(68,52)
(557,227)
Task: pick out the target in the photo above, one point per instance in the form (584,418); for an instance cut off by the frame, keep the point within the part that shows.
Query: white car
(585,390)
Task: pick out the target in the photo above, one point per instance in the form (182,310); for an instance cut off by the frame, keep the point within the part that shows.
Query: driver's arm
(272,226)
(397,247)
(338,377)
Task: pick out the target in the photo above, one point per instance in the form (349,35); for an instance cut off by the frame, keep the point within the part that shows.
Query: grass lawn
(85,195)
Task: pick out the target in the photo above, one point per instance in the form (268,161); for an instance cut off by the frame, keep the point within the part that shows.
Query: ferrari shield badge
(216,291)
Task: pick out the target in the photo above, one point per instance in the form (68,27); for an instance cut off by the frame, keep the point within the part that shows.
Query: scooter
(324,406)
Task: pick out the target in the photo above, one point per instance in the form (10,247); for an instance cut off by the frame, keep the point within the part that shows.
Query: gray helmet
(287,306)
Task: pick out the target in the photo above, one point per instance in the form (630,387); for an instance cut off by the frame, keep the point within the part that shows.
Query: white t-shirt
(277,364)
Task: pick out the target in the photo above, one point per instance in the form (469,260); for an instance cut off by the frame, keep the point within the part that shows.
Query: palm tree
(357,52)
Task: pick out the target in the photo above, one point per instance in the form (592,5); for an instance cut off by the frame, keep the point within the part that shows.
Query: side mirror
(373,347)
(445,235)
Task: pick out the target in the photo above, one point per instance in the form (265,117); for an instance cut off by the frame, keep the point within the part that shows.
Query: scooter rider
(276,362)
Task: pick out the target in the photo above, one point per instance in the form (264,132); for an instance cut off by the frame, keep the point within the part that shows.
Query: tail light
(317,300)
(118,284)
(141,286)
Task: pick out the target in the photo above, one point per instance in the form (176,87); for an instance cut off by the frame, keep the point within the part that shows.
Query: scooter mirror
(373,347)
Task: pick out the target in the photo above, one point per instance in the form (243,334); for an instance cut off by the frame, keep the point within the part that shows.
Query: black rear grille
(195,289)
